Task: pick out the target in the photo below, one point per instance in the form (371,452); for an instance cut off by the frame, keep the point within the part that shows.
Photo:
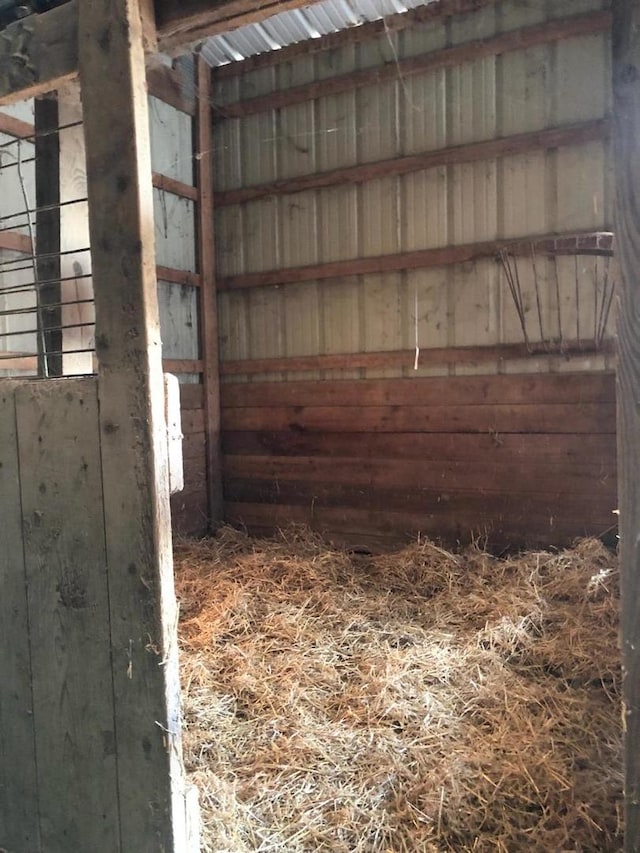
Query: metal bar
(53,328)
(32,285)
(34,309)
(36,257)
(41,209)
(40,135)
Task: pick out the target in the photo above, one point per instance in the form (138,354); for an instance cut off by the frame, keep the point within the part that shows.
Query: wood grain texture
(508,448)
(548,418)
(162,182)
(523,458)
(626,92)
(182,23)
(422,258)
(15,127)
(521,143)
(19,823)
(521,39)
(208,294)
(69,625)
(39,53)
(450,390)
(406,358)
(133,439)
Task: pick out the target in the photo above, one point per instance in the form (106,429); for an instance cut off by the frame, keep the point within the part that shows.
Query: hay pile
(416,701)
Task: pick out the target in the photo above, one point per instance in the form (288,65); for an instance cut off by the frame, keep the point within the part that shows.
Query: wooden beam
(208,296)
(183,22)
(15,127)
(432,13)
(169,85)
(15,241)
(182,365)
(133,434)
(432,356)
(174,276)
(626,98)
(449,57)
(585,242)
(49,296)
(179,188)
(39,53)
(521,143)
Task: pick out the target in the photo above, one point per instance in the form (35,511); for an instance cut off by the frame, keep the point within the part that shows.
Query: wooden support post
(207,294)
(133,439)
(47,168)
(626,90)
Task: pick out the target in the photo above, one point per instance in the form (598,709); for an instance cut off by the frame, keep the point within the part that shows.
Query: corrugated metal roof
(298,25)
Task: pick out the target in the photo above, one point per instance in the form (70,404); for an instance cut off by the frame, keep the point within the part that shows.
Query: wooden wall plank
(448,504)
(552,417)
(468,355)
(508,447)
(133,437)
(19,824)
(487,476)
(380,529)
(66,573)
(449,390)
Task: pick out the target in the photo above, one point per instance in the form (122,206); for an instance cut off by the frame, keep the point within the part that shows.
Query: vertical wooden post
(208,296)
(47,169)
(626,91)
(133,439)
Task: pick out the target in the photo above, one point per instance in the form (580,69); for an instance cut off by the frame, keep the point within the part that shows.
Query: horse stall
(317,426)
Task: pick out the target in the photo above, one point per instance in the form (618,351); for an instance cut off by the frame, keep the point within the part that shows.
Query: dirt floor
(415,701)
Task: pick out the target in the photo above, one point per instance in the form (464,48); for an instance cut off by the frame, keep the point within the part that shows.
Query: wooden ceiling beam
(183,22)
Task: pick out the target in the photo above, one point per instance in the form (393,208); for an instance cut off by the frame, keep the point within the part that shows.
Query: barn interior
(317,425)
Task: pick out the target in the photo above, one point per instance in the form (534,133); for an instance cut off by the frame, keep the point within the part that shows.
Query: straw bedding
(415,701)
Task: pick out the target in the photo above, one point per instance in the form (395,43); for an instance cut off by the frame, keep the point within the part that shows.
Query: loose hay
(417,701)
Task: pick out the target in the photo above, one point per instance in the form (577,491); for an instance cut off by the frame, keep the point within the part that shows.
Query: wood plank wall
(189,508)
(522,460)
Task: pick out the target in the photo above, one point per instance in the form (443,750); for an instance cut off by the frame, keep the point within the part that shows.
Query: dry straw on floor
(416,701)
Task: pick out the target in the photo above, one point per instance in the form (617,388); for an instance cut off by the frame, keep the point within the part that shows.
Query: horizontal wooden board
(526,418)
(398,359)
(534,506)
(439,256)
(376,527)
(492,149)
(583,476)
(449,390)
(505,448)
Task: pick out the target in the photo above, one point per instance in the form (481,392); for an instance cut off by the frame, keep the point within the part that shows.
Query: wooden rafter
(182,23)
